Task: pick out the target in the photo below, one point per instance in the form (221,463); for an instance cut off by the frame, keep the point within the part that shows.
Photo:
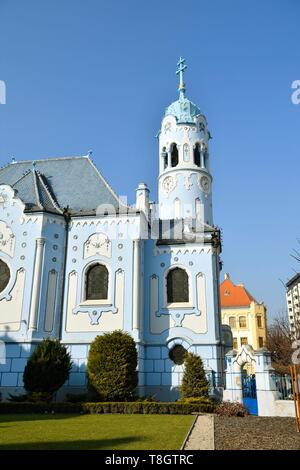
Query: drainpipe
(67,217)
(219,316)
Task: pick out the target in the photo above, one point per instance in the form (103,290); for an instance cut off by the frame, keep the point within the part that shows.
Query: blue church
(77,264)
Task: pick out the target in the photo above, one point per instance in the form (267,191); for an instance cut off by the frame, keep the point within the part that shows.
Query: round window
(177,354)
(4,275)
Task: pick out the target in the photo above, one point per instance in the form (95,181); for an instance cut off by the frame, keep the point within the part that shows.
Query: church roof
(234,295)
(54,184)
(33,190)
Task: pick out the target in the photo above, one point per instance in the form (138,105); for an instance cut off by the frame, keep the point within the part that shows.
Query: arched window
(242,322)
(177,286)
(174,155)
(4,275)
(97,282)
(232,322)
(197,154)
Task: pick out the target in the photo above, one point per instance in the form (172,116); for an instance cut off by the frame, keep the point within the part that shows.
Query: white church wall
(108,241)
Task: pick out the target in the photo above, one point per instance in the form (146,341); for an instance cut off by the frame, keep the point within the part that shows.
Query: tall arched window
(174,155)
(97,282)
(177,286)
(197,154)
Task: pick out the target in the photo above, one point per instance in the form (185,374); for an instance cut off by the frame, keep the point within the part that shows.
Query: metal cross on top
(181,68)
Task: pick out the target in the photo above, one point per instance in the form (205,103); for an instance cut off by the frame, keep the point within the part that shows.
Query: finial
(180,70)
(90,153)
(33,165)
(13,160)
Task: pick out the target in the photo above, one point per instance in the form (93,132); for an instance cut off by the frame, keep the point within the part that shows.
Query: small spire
(90,153)
(180,70)
(33,166)
(13,160)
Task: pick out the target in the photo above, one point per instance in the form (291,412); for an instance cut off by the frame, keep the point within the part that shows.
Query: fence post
(234,386)
(265,385)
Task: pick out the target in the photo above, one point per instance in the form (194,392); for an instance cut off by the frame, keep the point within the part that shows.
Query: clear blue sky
(94,74)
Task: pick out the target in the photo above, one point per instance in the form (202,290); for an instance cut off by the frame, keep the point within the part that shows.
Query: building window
(174,155)
(177,354)
(259,321)
(242,322)
(232,322)
(177,286)
(244,341)
(260,342)
(197,154)
(235,343)
(4,275)
(97,282)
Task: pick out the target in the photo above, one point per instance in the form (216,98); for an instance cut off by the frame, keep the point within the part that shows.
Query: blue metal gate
(249,393)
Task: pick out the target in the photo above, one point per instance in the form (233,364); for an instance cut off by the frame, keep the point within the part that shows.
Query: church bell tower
(185,181)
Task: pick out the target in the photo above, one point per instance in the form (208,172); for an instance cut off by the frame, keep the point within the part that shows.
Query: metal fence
(283,384)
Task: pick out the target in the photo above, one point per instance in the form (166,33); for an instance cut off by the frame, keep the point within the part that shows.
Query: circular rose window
(4,275)
(177,354)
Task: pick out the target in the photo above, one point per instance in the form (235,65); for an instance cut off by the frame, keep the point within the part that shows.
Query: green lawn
(87,432)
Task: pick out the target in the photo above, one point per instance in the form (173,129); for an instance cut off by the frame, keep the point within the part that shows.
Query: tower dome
(184,110)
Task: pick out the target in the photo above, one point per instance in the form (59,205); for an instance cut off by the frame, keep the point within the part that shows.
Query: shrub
(106,407)
(47,369)
(31,397)
(112,366)
(227,408)
(196,400)
(194,381)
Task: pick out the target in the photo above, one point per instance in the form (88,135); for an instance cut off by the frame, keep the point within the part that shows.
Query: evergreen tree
(194,382)
(111,367)
(47,368)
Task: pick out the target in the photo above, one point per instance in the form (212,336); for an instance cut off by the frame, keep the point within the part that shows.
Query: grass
(93,432)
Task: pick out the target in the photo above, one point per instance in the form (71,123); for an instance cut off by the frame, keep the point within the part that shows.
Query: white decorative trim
(7,239)
(97,244)
(36,285)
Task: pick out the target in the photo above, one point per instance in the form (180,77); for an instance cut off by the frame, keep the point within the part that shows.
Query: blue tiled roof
(56,183)
(184,110)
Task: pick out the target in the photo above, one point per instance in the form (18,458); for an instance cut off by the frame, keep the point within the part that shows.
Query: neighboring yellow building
(246,317)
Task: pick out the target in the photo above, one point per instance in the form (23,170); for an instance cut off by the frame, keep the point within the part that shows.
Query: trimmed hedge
(111,366)
(107,407)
